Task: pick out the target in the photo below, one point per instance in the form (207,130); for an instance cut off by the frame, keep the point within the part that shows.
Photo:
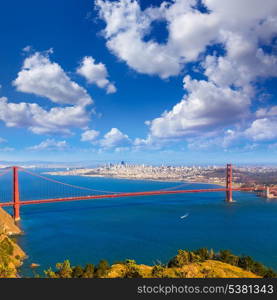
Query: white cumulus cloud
(44,78)
(237,24)
(267,112)
(41,77)
(42,121)
(240,38)
(206,107)
(114,138)
(96,74)
(89,135)
(49,144)
(262,129)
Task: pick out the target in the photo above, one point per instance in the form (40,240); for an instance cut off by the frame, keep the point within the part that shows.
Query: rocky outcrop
(7,224)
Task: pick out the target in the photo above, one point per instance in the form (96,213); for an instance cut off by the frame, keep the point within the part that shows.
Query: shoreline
(219,184)
(222,184)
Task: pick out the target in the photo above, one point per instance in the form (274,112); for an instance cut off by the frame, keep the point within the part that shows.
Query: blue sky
(181,81)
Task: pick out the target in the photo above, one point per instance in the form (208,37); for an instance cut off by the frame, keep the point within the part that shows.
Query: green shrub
(183,258)
(6,247)
(228,257)
(158,271)
(64,270)
(88,271)
(77,272)
(132,272)
(101,269)
(204,253)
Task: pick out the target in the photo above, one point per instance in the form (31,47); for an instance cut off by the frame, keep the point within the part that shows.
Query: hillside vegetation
(11,255)
(201,263)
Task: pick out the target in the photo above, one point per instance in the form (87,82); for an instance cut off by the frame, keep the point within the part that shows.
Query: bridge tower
(267,192)
(16,200)
(229,178)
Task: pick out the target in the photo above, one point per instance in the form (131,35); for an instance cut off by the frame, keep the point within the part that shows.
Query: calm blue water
(146,229)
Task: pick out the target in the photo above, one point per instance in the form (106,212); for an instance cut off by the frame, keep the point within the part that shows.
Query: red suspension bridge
(68,192)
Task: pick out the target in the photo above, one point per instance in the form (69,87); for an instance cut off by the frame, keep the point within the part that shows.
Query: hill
(201,263)
(11,255)
(206,269)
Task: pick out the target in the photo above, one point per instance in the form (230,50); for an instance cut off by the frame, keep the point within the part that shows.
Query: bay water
(148,229)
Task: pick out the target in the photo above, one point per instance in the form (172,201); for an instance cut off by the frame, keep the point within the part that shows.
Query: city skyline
(178,82)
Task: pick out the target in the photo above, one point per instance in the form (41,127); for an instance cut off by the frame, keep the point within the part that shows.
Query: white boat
(184,216)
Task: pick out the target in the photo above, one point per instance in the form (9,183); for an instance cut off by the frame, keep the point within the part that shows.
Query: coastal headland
(200,263)
(11,255)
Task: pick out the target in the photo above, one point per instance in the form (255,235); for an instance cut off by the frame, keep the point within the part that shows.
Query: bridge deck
(119,195)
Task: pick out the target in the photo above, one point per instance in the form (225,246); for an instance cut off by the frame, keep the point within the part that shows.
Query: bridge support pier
(229,178)
(16,200)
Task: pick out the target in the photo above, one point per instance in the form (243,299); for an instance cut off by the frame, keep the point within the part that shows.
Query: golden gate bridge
(16,200)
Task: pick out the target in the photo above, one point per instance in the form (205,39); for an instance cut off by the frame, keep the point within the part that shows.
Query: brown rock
(7,223)
(33,265)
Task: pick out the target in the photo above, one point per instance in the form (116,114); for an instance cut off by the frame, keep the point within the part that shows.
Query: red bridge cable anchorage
(66,184)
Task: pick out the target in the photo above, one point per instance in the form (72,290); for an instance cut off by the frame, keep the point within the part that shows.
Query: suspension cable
(67,184)
(89,189)
(176,186)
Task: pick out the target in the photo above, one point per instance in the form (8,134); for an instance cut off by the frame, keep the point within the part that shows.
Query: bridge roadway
(119,195)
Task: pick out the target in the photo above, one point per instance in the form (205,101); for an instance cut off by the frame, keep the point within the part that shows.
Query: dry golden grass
(7,223)
(8,227)
(206,269)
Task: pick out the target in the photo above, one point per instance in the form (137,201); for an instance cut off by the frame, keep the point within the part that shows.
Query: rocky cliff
(11,255)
